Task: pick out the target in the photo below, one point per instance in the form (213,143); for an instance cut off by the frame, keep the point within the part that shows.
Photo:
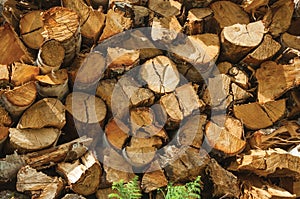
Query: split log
(258,116)
(165,8)
(116,133)
(86,112)
(239,39)
(90,71)
(12,48)
(16,101)
(239,94)
(83,178)
(153,178)
(121,60)
(142,97)
(31,28)
(291,41)
(50,57)
(139,156)
(226,137)
(48,112)
(217,94)
(141,15)
(256,188)
(183,164)
(91,21)
(180,104)
(103,193)
(73,196)
(140,118)
(28,140)
(165,29)
(239,77)
(227,13)
(200,52)
(284,136)
(115,23)
(43,159)
(54,84)
(3,136)
(281,18)
(138,40)
(116,167)
(7,194)
(295,97)
(196,3)
(251,6)
(291,185)
(160,74)
(197,20)
(222,68)
(191,132)
(265,51)
(105,91)
(23,73)
(4,75)
(5,119)
(272,163)
(62,24)
(275,79)
(225,184)
(40,185)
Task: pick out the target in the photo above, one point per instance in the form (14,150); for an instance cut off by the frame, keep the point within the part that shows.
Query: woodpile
(97,91)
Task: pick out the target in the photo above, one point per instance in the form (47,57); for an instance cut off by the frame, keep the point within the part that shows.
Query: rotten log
(48,112)
(83,177)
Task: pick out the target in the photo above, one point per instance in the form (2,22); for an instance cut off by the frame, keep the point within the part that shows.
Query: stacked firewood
(97,91)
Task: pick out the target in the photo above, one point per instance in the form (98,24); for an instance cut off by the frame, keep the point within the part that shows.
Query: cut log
(160,74)
(50,57)
(291,41)
(272,162)
(90,72)
(142,97)
(54,84)
(284,136)
(83,178)
(120,60)
(239,39)
(31,28)
(265,51)
(16,101)
(116,133)
(167,8)
(48,112)
(12,48)
(115,23)
(255,116)
(116,167)
(165,29)
(256,188)
(197,20)
(153,178)
(139,156)
(5,119)
(4,75)
(225,184)
(282,15)
(275,79)
(40,185)
(43,159)
(105,91)
(91,21)
(62,24)
(28,140)
(73,196)
(227,13)
(226,137)
(87,112)
(23,73)
(191,132)
(183,164)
